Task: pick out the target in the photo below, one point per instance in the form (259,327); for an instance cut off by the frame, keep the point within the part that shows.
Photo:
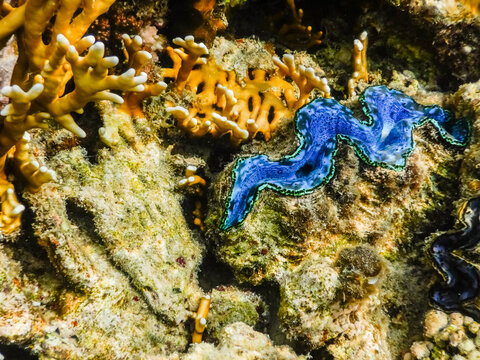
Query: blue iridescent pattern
(385,139)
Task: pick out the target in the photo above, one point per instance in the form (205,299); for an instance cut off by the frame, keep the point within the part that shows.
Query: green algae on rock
(231,305)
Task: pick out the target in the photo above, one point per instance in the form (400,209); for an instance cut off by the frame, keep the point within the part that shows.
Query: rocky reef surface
(114,257)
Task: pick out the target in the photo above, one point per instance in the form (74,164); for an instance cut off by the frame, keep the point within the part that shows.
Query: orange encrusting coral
(222,105)
(472,6)
(39,79)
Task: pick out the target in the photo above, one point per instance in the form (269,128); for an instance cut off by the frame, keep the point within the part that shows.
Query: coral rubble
(452,336)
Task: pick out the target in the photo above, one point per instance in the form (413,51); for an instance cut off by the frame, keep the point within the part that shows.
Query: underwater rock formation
(360,205)
(117,257)
(454,27)
(239,341)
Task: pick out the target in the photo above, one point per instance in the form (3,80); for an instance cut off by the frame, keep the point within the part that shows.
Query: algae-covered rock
(454,27)
(108,320)
(128,202)
(318,304)
(306,301)
(239,341)
(115,232)
(362,220)
(230,305)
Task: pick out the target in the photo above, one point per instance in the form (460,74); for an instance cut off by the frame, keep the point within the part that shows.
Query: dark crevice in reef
(270,292)
(188,206)
(320,354)
(83,219)
(182,18)
(220,157)
(214,273)
(14,352)
(217,152)
(27,250)
(90,121)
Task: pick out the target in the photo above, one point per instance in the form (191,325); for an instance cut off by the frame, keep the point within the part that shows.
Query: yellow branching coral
(200,318)
(11,209)
(39,79)
(295,34)
(137,58)
(198,183)
(224,106)
(186,59)
(360,71)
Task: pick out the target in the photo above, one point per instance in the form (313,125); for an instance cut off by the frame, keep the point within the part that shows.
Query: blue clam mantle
(461,280)
(385,139)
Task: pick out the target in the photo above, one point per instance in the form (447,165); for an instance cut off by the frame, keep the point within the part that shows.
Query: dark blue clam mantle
(385,139)
(461,279)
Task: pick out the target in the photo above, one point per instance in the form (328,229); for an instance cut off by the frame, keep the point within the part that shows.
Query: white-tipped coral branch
(360,71)
(224,106)
(40,76)
(303,77)
(16,115)
(11,209)
(33,173)
(92,83)
(189,55)
(137,59)
(191,178)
